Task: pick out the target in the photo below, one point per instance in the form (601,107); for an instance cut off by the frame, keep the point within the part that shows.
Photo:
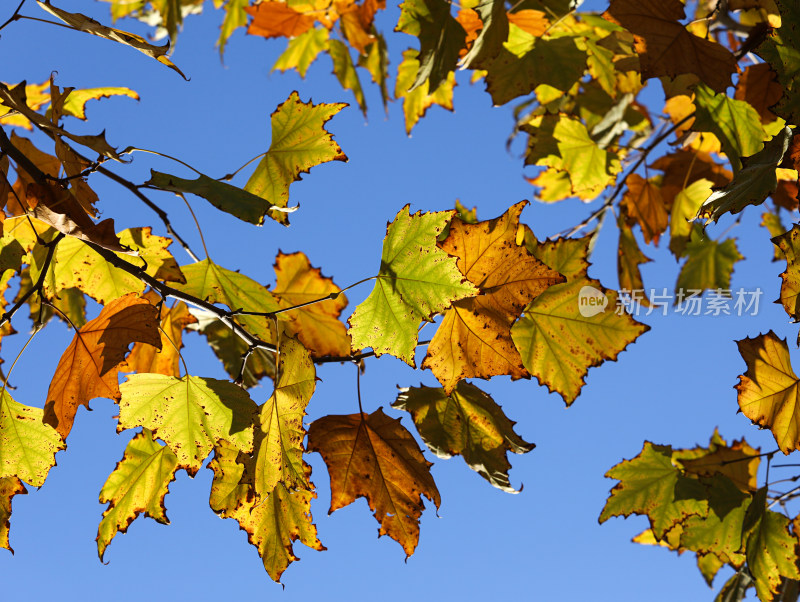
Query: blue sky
(673,386)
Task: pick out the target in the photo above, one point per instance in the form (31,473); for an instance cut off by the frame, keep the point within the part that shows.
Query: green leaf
(417,101)
(189,414)
(376,61)
(735,122)
(416,280)
(138,484)
(225,197)
(651,485)
(492,36)
(774,225)
(709,263)
(782,51)
(235,17)
(588,165)
(441,39)
(302,50)
(9,487)
(467,422)
(789,244)
(685,206)
(751,185)
(345,71)
(299,142)
(27,445)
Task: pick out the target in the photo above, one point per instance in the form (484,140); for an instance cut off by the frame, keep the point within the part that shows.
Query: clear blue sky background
(673,386)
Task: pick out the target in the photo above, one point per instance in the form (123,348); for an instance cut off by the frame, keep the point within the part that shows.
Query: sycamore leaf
(588,165)
(782,51)
(27,444)
(789,244)
(533,22)
(666,47)
(317,326)
(685,206)
(493,33)
(768,390)
(375,457)
(558,343)
(416,280)
(9,487)
(277,19)
(85,24)
(90,365)
(466,422)
(753,184)
(441,38)
(709,263)
(417,101)
(299,142)
(650,484)
(770,547)
(152,250)
(146,358)
(474,338)
(235,17)
(730,461)
(272,524)
(345,71)
(302,50)
(279,442)
(629,258)
(75,101)
(189,414)
(137,485)
(642,201)
(774,225)
(684,167)
(758,87)
(231,199)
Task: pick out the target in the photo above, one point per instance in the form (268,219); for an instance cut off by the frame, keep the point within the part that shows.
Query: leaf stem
(152,152)
(13,17)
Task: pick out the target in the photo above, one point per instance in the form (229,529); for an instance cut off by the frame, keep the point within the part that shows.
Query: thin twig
(13,17)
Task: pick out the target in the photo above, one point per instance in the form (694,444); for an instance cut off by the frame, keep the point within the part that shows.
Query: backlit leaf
(345,71)
(146,358)
(277,19)
(709,263)
(235,17)
(493,33)
(9,487)
(685,206)
(302,51)
(643,202)
(417,101)
(789,244)
(629,258)
(76,100)
(758,87)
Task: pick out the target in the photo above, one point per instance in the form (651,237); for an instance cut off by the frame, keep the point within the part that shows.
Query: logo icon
(591,301)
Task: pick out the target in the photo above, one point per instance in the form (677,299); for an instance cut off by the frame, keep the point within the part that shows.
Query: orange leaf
(375,457)
(533,22)
(472,24)
(684,167)
(277,19)
(474,338)
(89,366)
(146,358)
(759,86)
(643,203)
(666,47)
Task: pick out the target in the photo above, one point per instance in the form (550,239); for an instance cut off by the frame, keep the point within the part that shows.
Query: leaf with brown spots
(375,457)
(90,365)
(146,358)
(474,338)
(9,487)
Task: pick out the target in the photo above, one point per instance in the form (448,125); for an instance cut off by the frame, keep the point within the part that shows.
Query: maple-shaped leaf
(738,461)
(416,280)
(468,422)
(9,487)
(782,51)
(667,47)
(189,414)
(90,365)
(629,258)
(768,390)
(302,51)
(685,206)
(558,340)
(650,484)
(752,184)
(85,24)
(272,524)
(474,338)
(759,87)
(317,326)
(27,444)
(279,442)
(417,101)
(709,263)
(789,244)
(441,38)
(146,358)
(769,548)
(75,102)
(375,457)
(277,19)
(299,142)
(345,71)
(642,202)
(137,485)
(235,17)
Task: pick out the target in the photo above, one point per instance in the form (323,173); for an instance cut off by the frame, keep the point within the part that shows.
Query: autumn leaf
(36,96)
(374,457)
(90,365)
(277,19)
(299,142)
(789,244)
(75,102)
(533,22)
(629,258)
(643,203)
(650,484)
(666,47)
(493,33)
(782,51)
(474,338)
(685,206)
(302,51)
(272,524)
(345,71)
(709,263)
(9,487)
(774,226)
(768,390)
(189,414)
(685,167)
(416,280)
(317,326)
(137,485)
(468,422)
(235,17)
(417,101)
(758,87)
(146,358)
(230,349)
(738,462)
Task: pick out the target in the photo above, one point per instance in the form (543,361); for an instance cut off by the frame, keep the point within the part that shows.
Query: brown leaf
(146,358)
(277,19)
(375,457)
(759,86)
(684,167)
(474,338)
(643,202)
(89,366)
(786,194)
(666,47)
